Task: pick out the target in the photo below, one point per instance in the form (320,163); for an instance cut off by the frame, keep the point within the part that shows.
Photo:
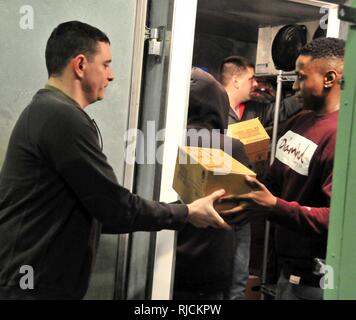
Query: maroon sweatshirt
(301,178)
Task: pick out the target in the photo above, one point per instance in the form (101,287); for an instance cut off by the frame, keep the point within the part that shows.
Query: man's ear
(78,64)
(236,82)
(330,79)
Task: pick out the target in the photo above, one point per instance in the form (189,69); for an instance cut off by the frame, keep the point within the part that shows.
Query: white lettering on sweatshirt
(295,151)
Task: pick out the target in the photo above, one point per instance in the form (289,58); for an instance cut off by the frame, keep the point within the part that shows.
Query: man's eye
(300,77)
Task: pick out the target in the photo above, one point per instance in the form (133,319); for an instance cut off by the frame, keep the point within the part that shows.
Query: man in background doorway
(237,76)
(251,97)
(248,101)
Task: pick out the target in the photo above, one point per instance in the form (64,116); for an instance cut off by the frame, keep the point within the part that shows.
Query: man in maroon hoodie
(298,185)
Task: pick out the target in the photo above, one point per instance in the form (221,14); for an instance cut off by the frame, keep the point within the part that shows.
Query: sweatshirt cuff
(281,210)
(282,206)
(179,215)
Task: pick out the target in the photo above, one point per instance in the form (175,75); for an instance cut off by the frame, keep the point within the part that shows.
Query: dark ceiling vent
(286,46)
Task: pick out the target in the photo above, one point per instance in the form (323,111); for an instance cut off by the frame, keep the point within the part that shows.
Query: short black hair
(324,48)
(69,39)
(232,65)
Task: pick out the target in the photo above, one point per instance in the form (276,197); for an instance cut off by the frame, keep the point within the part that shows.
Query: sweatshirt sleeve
(311,221)
(70,143)
(307,220)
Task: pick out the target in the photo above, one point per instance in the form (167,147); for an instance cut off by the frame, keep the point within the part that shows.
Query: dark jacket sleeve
(289,107)
(71,146)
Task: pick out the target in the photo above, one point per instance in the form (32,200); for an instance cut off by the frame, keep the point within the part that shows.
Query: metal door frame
(132,123)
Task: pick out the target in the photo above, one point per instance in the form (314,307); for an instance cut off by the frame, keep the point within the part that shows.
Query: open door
(162,118)
(339,271)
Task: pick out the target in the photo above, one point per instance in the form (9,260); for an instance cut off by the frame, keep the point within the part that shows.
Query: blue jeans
(240,275)
(290,291)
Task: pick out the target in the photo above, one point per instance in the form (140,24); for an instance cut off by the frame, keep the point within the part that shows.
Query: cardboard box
(254,136)
(201,171)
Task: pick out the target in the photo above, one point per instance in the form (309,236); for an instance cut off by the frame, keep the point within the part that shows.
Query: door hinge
(155,38)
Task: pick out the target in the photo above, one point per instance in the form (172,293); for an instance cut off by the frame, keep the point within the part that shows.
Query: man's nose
(111,76)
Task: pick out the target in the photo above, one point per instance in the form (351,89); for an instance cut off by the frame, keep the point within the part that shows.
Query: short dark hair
(232,65)
(324,48)
(68,40)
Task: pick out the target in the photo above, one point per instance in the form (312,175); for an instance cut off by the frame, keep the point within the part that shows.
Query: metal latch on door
(155,37)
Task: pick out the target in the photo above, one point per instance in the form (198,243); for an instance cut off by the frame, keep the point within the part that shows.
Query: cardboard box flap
(216,160)
(248,131)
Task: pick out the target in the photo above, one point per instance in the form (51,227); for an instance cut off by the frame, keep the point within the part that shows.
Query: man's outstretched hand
(202,213)
(258,203)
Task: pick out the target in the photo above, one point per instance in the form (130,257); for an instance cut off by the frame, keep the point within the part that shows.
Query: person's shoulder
(330,124)
(300,116)
(51,114)
(48,105)
(294,121)
(255,109)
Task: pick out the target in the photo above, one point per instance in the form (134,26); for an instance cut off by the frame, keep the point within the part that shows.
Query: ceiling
(240,19)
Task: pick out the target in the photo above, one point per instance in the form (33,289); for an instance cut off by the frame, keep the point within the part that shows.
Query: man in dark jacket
(237,75)
(204,258)
(57,190)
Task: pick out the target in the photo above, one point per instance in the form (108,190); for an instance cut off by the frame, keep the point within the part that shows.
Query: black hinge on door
(346,13)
